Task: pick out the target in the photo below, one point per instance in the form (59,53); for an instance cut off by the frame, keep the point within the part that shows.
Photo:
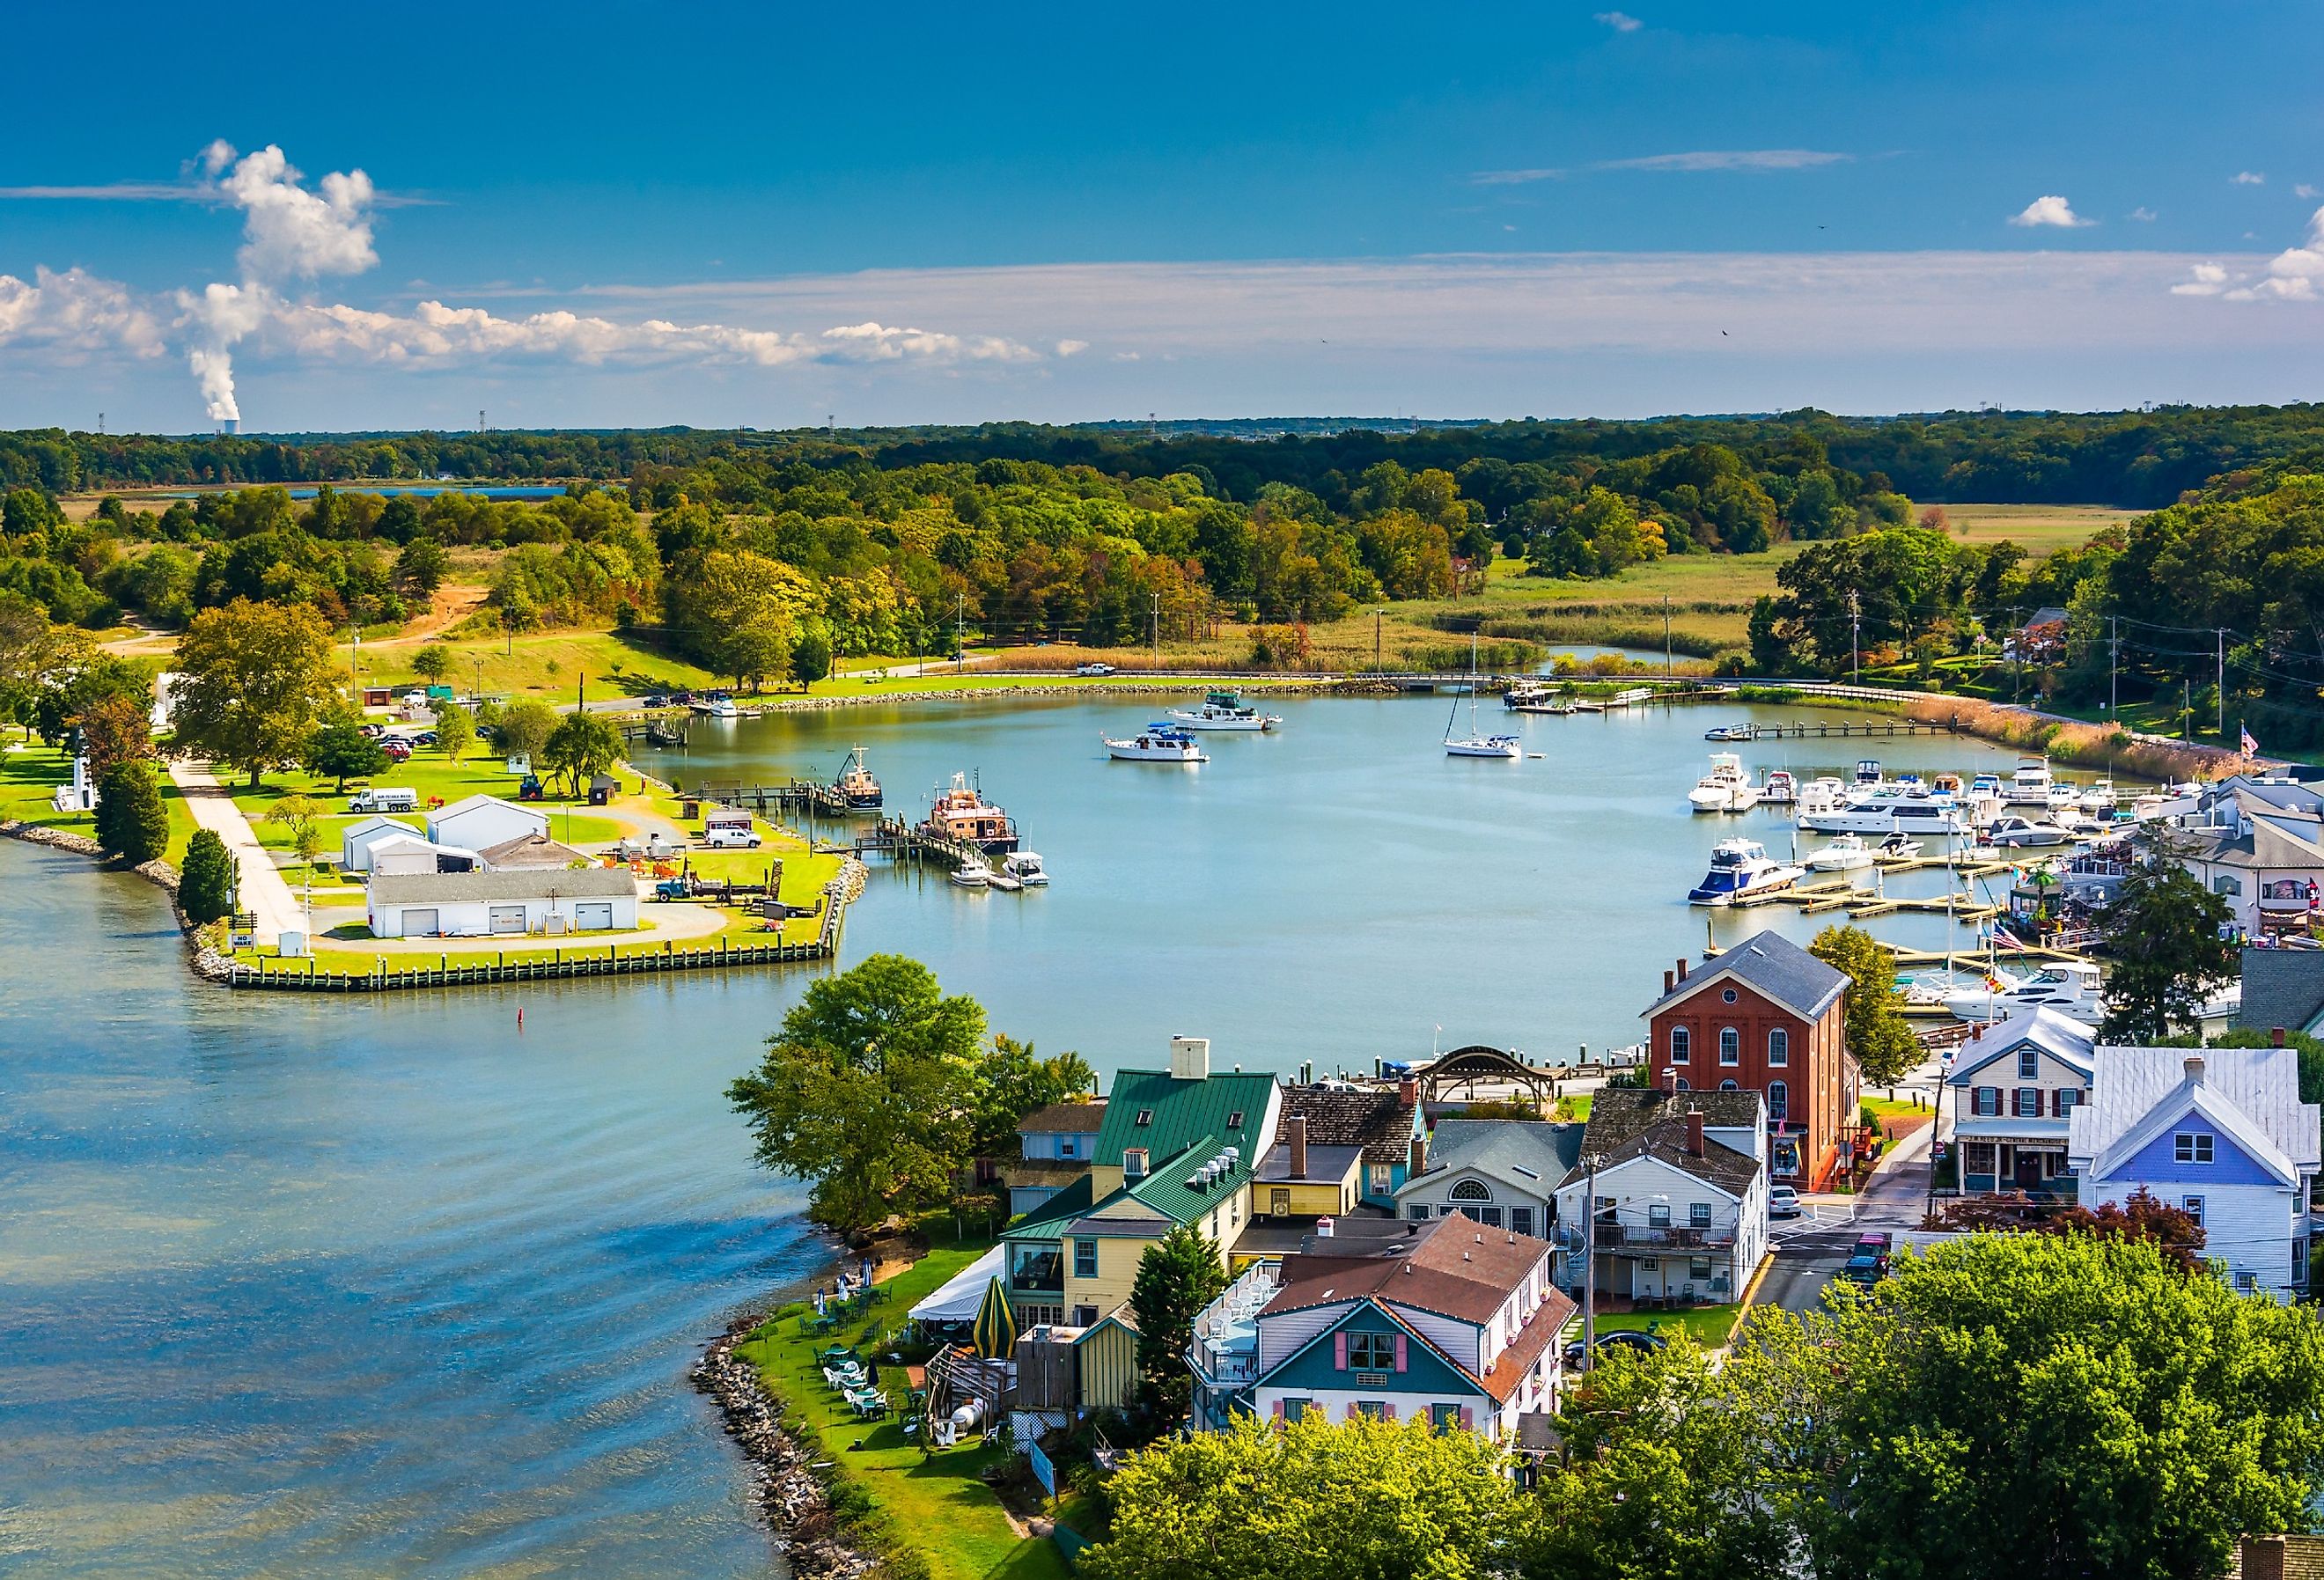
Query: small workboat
(1224,710)
(1847,853)
(718,708)
(855,784)
(1474,744)
(1728,733)
(962,814)
(971,874)
(1025,866)
(1741,869)
(1157,743)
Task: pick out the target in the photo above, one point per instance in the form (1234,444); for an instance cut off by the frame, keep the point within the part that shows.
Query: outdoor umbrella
(995,1333)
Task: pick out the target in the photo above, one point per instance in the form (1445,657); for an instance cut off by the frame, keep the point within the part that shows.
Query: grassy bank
(894,1497)
(29,775)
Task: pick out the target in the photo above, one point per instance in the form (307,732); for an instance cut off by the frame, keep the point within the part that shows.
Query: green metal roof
(1165,1190)
(1048,1221)
(1178,1114)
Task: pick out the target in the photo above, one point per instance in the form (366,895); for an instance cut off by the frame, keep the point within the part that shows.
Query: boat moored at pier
(1741,869)
(962,815)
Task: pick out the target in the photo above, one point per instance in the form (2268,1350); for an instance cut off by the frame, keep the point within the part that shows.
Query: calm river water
(391,1287)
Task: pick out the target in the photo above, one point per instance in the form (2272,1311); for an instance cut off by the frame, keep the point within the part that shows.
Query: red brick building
(1766,1016)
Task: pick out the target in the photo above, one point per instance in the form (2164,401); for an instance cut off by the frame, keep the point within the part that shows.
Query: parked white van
(731,836)
(385,799)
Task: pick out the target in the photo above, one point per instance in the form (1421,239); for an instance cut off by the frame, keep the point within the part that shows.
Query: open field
(2042,529)
(30,774)
(933,1502)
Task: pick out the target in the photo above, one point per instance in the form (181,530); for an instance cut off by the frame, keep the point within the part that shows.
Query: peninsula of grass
(30,775)
(900,1499)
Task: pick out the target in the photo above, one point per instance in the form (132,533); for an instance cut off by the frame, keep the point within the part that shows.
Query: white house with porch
(2010,1098)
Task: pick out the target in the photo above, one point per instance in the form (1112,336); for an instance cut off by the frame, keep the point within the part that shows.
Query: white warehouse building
(476,905)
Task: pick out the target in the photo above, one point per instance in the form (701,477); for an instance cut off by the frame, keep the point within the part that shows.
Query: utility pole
(1590,1264)
(1855,642)
(1155,631)
(1375,638)
(2186,712)
(480,679)
(2221,634)
(2114,666)
(1666,641)
(959,625)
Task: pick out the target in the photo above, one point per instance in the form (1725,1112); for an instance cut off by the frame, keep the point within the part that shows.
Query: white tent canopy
(963,1292)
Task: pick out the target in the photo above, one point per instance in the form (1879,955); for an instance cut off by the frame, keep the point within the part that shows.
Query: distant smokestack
(231,425)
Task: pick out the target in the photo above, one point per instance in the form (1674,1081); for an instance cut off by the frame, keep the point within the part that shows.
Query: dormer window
(1145,1117)
(1133,1162)
(1234,1120)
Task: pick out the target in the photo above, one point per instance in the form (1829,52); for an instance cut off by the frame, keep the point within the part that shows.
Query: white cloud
(1620,22)
(1514,177)
(1742,159)
(288,231)
(75,315)
(2293,274)
(1072,348)
(2203,279)
(2245,178)
(2304,190)
(2143,214)
(2050,211)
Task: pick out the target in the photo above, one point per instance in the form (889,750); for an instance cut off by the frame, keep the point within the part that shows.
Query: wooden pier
(805,795)
(1843,729)
(901,841)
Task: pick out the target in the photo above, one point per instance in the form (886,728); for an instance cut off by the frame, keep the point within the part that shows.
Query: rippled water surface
(336,1288)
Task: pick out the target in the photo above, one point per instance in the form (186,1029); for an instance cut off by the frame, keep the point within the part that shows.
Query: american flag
(2251,747)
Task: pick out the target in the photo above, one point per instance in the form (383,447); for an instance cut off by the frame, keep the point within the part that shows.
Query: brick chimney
(1681,970)
(1670,981)
(1294,1136)
(1419,1162)
(1408,1091)
(1694,1132)
(2194,1067)
(2275,1037)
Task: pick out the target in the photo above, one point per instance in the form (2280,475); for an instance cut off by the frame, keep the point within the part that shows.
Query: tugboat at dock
(855,784)
(961,814)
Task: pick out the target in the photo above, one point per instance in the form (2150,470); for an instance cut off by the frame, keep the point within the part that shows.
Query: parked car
(397,748)
(1621,1338)
(1092,669)
(1783,1202)
(728,836)
(655,699)
(424,738)
(1869,1264)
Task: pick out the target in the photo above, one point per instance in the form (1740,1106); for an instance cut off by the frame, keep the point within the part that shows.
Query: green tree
(432,662)
(864,1092)
(132,823)
(339,750)
(1011,1082)
(525,728)
(252,679)
(581,745)
(2038,1407)
(1877,1035)
(1662,1473)
(422,566)
(302,816)
(206,882)
(1180,1273)
(115,728)
(456,730)
(2167,934)
(1359,1501)
(29,649)
(810,656)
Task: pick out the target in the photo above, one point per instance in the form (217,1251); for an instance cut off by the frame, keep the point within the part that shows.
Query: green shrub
(205,882)
(132,823)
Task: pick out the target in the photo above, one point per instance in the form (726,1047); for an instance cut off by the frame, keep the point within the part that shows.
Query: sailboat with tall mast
(1474,744)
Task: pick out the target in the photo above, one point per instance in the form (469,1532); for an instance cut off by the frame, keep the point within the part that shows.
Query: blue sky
(1076,212)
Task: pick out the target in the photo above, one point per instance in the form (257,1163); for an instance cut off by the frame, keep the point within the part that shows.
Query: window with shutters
(2028,1103)
(1986,1102)
(2062,1100)
(1372,1352)
(1445,1417)
(1372,1408)
(1294,1408)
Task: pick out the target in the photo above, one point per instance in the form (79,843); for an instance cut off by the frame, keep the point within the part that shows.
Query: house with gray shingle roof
(1681,1203)
(1502,1172)
(2282,988)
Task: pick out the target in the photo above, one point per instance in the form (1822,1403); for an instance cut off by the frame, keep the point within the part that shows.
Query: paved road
(1809,1250)
(263,891)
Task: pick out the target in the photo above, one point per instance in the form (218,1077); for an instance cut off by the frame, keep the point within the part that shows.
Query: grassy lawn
(1709,1325)
(2042,529)
(933,1503)
(28,777)
(547,664)
(1573,1105)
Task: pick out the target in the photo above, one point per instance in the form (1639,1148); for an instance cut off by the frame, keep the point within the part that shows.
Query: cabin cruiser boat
(1898,846)
(2030,785)
(1025,866)
(1156,742)
(2014,833)
(2064,793)
(1725,789)
(1847,853)
(1985,784)
(1779,789)
(855,784)
(1824,794)
(2072,988)
(1527,696)
(1919,812)
(1474,744)
(718,708)
(2100,801)
(1741,869)
(962,814)
(1884,808)
(1728,733)
(1224,710)
(971,874)
(1868,771)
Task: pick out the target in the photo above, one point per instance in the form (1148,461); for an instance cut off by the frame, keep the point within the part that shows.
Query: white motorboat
(1898,847)
(1868,772)
(1824,794)
(971,874)
(2072,988)
(1779,789)
(2064,793)
(1728,733)
(1741,869)
(2015,833)
(1884,808)
(2030,785)
(1025,866)
(1224,710)
(1847,853)
(2099,800)
(1726,787)
(1156,742)
(1474,744)
(718,708)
